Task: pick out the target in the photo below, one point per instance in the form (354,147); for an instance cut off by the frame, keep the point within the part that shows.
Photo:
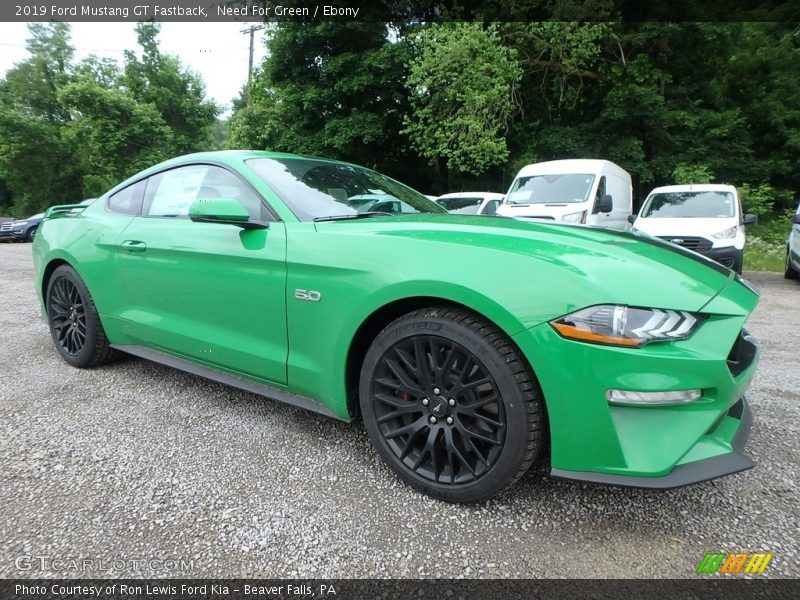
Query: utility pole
(251,30)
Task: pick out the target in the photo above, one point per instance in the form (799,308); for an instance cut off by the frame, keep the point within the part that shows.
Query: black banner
(702,588)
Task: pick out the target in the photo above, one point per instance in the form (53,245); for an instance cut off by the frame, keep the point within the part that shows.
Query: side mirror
(604,204)
(796,219)
(750,219)
(227,211)
(631,219)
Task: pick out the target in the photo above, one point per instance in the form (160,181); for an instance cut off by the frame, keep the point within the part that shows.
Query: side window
(491,207)
(221,183)
(601,191)
(601,188)
(171,193)
(128,200)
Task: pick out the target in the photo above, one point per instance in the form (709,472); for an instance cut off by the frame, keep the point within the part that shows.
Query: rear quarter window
(128,200)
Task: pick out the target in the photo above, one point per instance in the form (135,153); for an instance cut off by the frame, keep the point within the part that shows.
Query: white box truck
(587,191)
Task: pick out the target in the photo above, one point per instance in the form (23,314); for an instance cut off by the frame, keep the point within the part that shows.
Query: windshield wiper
(361,215)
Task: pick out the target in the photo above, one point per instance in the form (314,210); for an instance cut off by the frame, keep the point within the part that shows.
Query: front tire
(737,263)
(790,273)
(74,323)
(451,405)
(31,234)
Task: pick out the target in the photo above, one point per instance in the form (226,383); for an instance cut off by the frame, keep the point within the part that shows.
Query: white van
(706,218)
(589,191)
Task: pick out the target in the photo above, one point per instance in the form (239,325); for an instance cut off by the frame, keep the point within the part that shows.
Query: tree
(330,88)
(69,131)
(462,83)
(177,94)
(35,162)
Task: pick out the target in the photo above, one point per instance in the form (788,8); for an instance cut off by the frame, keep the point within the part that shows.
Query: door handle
(134,246)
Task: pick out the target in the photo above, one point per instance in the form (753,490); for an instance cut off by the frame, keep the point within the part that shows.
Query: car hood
(603,265)
(684,226)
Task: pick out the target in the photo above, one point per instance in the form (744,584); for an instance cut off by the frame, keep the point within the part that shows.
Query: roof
(694,187)
(572,165)
(484,195)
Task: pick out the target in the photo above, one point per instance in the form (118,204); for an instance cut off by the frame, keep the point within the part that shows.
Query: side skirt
(228,379)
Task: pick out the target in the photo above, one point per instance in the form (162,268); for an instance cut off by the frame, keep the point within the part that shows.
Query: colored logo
(738,562)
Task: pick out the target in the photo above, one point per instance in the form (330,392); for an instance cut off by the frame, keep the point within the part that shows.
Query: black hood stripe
(674,248)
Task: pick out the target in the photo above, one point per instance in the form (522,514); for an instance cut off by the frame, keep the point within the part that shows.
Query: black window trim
(272,215)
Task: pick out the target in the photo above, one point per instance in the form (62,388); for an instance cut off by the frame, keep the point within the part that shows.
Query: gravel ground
(137,461)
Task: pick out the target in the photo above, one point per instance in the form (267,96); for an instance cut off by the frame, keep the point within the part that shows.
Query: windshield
(700,205)
(551,189)
(467,205)
(315,189)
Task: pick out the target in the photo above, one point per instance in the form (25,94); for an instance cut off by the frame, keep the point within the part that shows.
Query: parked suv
(706,218)
(23,230)
(793,248)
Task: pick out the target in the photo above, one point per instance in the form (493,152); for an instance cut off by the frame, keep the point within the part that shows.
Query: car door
(211,292)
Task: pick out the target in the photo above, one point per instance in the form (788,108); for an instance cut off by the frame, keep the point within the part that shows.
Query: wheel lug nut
(452,402)
(432,420)
(449,420)
(425,402)
(436,391)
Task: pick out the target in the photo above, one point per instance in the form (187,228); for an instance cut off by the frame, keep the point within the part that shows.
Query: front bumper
(688,473)
(658,446)
(13,235)
(727,256)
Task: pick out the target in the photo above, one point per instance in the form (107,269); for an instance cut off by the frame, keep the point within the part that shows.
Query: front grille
(7,226)
(698,244)
(743,353)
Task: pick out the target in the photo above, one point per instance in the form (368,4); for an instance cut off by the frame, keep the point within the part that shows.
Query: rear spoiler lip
(62,210)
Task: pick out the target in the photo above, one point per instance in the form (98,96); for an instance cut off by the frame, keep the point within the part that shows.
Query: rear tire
(74,323)
(451,405)
(790,273)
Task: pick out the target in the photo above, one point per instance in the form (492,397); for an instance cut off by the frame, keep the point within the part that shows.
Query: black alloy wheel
(67,313)
(451,405)
(74,323)
(439,409)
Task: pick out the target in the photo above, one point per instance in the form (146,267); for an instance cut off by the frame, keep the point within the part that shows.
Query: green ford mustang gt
(465,343)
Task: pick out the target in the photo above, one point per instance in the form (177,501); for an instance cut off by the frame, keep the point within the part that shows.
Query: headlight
(576,217)
(20,223)
(615,325)
(727,234)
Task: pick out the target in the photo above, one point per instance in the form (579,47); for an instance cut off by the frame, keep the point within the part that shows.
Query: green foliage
(761,255)
(327,88)
(68,132)
(670,101)
(765,249)
(685,174)
(462,83)
(177,94)
(757,199)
